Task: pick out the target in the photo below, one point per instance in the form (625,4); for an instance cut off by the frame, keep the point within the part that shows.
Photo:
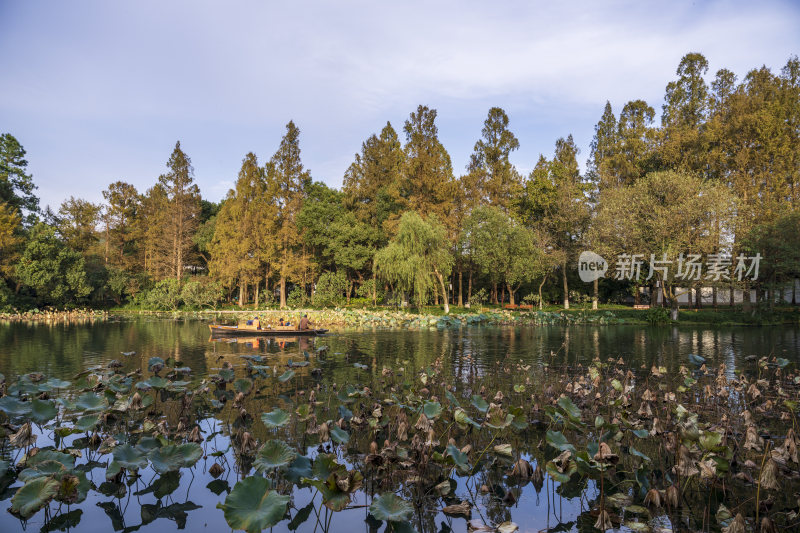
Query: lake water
(470,357)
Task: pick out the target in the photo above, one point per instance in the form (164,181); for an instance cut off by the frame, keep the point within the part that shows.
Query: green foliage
(56,272)
(165,295)
(657,315)
(417,257)
(297,298)
(331,289)
(201,293)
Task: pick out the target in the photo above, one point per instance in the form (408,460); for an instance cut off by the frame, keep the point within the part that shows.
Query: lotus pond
(147,424)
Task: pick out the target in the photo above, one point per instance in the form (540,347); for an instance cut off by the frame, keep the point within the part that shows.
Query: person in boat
(256,323)
(281,323)
(304,323)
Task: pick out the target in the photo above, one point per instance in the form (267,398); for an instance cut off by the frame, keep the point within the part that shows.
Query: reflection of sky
(62,351)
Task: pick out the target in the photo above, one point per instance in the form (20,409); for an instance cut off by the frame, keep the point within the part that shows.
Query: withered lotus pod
(738,525)
(672,496)
(216,470)
(769,475)
(604,455)
(653,498)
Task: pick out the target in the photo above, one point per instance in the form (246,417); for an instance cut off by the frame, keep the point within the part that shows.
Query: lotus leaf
(286,376)
(432,409)
(43,411)
(391,508)
(275,419)
(339,435)
(274,454)
(90,401)
(34,495)
(251,506)
(175,457)
(129,457)
(13,407)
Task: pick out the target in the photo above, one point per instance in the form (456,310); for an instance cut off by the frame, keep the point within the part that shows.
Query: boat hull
(234,330)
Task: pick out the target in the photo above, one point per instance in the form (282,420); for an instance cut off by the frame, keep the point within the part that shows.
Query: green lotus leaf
(130,457)
(698,360)
(557,440)
(286,376)
(274,454)
(155,364)
(227,375)
(165,485)
(58,383)
(251,506)
(34,495)
(64,459)
(432,409)
(45,468)
(90,402)
(175,457)
(339,435)
(43,411)
(462,419)
(13,407)
(243,385)
(325,465)
(275,419)
(85,423)
(498,420)
(156,382)
(459,458)
(561,477)
(570,408)
(303,412)
(299,469)
(391,508)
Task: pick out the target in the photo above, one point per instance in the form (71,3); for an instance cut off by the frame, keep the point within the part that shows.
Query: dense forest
(720,174)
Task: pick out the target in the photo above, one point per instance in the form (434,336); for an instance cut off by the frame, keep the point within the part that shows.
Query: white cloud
(128,79)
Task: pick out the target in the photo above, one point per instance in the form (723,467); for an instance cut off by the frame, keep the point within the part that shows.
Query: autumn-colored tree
(287,182)
(10,239)
(240,245)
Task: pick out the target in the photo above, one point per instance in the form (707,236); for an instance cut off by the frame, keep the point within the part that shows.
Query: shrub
(297,297)
(165,295)
(478,298)
(331,288)
(657,315)
(198,294)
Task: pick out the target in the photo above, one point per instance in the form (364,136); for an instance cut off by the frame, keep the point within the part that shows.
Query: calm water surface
(470,354)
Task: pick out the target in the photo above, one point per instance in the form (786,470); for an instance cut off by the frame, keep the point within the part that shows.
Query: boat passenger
(304,323)
(256,322)
(281,323)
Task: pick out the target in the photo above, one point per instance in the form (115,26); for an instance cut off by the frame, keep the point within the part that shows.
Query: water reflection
(471,357)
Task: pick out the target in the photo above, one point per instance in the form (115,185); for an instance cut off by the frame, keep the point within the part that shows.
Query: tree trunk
(256,302)
(541,302)
(283,292)
(374,290)
(494,293)
(241,294)
(461,288)
(444,293)
(467,304)
(566,286)
(595,294)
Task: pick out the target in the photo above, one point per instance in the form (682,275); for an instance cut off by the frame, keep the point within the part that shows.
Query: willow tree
(244,223)
(418,258)
(287,182)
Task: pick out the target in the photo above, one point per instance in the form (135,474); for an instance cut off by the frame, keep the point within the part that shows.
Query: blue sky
(100,91)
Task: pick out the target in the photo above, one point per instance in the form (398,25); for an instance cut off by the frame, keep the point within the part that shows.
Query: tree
(77,224)
(505,250)
(16,185)
(55,271)
(662,216)
(417,258)
(150,231)
(604,145)
(122,205)
(778,242)
(491,177)
(287,182)
(428,185)
(10,239)
(183,203)
(240,244)
(372,183)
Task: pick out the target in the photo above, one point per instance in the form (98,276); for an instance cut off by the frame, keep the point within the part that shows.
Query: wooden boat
(278,331)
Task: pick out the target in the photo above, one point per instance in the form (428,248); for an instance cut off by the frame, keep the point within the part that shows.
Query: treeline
(720,174)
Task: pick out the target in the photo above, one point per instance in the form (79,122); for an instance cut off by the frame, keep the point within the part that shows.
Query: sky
(100,91)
